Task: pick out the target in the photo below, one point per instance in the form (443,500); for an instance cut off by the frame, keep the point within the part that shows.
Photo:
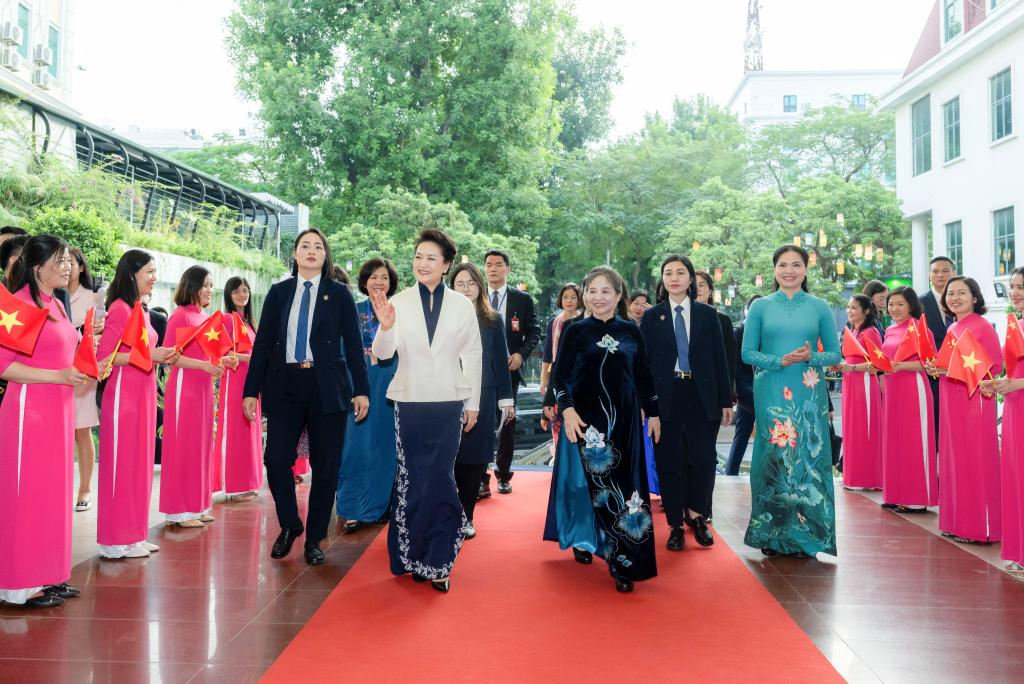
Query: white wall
(988,176)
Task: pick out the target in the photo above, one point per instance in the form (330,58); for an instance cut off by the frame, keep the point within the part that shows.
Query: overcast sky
(157,63)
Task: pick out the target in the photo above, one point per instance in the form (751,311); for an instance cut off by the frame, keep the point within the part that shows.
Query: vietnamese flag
(969,363)
(136,336)
(946,352)
(877,357)
(85,355)
(213,338)
(910,344)
(20,322)
(925,344)
(851,347)
(241,336)
(1014,348)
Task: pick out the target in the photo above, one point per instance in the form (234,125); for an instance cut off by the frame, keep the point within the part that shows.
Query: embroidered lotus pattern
(783,434)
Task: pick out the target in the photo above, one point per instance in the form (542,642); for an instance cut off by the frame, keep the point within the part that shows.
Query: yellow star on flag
(879,353)
(145,337)
(9,320)
(970,361)
(212,334)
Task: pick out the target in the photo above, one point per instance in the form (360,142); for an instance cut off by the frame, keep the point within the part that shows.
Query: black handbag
(837,447)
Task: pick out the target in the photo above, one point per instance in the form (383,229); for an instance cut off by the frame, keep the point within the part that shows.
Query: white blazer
(447,370)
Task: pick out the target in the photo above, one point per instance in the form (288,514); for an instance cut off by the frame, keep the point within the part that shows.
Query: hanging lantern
(718,274)
(813,260)
(465,258)
(348,265)
(880,254)
(841,267)
(728,301)
(869,251)
(822,238)
(808,239)
(718,297)
(732,291)
(840,219)
(696,245)
(523,287)
(796,240)
(858,250)
(758,280)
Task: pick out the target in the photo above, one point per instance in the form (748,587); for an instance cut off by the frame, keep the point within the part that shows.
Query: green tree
(83,229)
(246,165)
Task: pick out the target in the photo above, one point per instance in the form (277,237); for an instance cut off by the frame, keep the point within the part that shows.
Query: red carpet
(521,610)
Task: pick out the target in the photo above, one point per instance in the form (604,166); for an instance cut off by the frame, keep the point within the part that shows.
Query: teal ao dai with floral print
(599,494)
(792,497)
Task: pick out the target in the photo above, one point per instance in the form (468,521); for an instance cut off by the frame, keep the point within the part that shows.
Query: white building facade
(959,159)
(769,97)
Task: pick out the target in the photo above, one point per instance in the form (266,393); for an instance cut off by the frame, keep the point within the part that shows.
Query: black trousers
(467,480)
(685,457)
(740,440)
(506,444)
(298,408)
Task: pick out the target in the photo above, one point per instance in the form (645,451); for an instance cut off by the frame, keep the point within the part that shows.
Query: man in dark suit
(684,344)
(522,334)
(940,270)
(300,370)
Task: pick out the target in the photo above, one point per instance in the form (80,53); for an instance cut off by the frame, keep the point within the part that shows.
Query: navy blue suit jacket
(340,375)
(933,315)
(495,364)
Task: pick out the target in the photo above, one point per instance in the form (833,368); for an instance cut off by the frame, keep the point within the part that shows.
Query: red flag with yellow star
(969,363)
(1014,348)
(946,351)
(85,355)
(241,336)
(877,357)
(136,336)
(20,322)
(851,347)
(910,344)
(926,345)
(213,338)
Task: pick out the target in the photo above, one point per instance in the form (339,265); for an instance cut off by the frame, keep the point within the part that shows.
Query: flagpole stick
(110,366)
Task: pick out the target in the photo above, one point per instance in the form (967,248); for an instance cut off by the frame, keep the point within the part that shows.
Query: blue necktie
(302,332)
(682,341)
(494,300)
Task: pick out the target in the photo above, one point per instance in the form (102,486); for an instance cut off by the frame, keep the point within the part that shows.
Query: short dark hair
(636,294)
(573,287)
(233,284)
(440,238)
(617,283)
(691,292)
(13,230)
(708,280)
(873,287)
(804,257)
(498,253)
(192,281)
(979,304)
(910,295)
(9,247)
(942,258)
(371,265)
(868,307)
(328,270)
(123,285)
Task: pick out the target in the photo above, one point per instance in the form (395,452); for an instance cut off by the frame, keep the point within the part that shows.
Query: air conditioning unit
(10,59)
(10,33)
(42,55)
(41,78)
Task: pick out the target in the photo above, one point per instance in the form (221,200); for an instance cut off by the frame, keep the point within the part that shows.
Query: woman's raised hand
(383,309)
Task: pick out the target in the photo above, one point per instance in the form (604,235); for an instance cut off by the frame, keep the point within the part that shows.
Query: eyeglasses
(470,285)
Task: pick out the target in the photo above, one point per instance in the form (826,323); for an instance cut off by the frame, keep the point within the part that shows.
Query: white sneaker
(469,530)
(137,552)
(152,548)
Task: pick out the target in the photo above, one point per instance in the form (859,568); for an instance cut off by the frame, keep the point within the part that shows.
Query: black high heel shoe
(623,585)
(441,585)
(583,557)
(419,579)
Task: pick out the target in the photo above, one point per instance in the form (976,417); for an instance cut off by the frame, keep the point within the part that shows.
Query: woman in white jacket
(436,391)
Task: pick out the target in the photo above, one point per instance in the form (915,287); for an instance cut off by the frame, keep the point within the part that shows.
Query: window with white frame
(53,40)
(789,103)
(859,102)
(955,244)
(1002,105)
(951,129)
(25,22)
(921,125)
(1003,236)
(952,19)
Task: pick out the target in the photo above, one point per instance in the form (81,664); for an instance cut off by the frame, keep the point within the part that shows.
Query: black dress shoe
(283,545)
(484,492)
(771,553)
(419,579)
(353,526)
(314,556)
(44,601)
(623,585)
(504,487)
(701,532)
(441,585)
(62,590)
(676,539)
(581,556)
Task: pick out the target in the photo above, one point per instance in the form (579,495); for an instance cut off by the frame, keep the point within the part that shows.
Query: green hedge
(81,228)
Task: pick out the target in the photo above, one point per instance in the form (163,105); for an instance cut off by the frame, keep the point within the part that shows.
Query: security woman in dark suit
(301,372)
(477,445)
(686,351)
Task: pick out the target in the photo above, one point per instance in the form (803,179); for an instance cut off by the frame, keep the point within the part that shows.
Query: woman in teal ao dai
(792,498)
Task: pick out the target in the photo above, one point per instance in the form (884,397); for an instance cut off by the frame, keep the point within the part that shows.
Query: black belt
(300,364)
(683,375)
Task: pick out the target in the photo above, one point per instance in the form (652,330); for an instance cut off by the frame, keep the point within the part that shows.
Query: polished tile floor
(901,604)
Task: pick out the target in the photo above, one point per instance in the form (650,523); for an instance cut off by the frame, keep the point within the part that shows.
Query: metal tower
(753,58)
